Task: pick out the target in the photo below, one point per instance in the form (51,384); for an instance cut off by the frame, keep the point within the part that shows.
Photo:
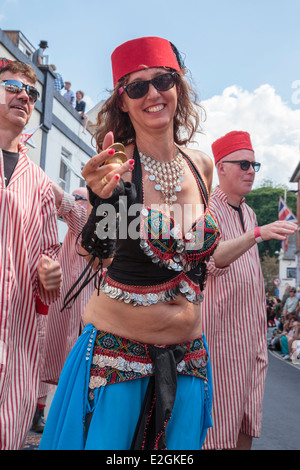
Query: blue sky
(243,56)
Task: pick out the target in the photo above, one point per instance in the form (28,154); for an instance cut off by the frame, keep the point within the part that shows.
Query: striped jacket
(27,230)
(234,323)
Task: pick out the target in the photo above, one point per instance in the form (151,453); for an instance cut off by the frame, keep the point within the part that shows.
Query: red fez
(4,63)
(231,142)
(142,53)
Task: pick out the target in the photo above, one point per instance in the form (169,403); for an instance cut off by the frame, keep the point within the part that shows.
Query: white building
(287,266)
(59,146)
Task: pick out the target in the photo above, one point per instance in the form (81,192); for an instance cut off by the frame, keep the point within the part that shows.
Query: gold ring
(104,180)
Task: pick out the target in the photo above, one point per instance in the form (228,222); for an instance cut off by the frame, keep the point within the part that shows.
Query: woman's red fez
(231,142)
(142,53)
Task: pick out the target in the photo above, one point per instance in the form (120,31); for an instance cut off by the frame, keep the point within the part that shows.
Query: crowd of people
(147,297)
(75,100)
(284,317)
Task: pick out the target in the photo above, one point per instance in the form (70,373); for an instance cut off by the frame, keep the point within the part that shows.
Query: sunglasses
(14,86)
(245,164)
(138,89)
(80,198)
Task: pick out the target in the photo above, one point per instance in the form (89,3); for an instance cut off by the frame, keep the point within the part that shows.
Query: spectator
(38,55)
(298,292)
(291,303)
(286,294)
(69,94)
(80,107)
(282,341)
(58,82)
(275,344)
(278,308)
(80,104)
(270,313)
(295,347)
(288,338)
(298,312)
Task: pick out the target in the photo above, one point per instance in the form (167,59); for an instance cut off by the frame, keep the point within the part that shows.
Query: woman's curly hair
(186,120)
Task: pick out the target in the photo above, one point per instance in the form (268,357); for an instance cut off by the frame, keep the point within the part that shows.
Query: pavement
(281,406)
(32,441)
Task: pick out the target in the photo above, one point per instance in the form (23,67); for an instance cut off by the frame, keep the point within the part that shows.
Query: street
(281,407)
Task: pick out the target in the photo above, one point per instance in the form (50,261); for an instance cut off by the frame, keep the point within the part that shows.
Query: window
(65,172)
(291,273)
(81,180)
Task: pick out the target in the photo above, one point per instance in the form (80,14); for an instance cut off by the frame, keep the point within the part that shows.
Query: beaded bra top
(161,263)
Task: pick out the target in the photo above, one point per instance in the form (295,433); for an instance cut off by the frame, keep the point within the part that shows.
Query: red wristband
(257,235)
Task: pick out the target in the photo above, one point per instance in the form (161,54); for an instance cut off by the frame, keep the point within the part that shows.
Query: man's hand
(49,273)
(278,230)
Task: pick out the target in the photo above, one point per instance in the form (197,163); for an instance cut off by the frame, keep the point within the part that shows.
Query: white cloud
(273,126)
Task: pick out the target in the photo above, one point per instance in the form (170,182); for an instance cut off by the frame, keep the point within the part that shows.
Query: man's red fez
(142,53)
(231,142)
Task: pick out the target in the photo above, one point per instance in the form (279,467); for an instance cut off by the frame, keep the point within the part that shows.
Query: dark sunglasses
(138,89)
(14,86)
(80,198)
(245,164)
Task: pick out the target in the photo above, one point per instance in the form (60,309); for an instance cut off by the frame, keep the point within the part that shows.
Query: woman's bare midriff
(164,323)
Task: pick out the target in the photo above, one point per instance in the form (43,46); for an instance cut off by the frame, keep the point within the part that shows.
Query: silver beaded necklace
(168,176)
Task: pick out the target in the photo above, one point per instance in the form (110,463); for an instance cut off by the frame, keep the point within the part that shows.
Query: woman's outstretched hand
(102,179)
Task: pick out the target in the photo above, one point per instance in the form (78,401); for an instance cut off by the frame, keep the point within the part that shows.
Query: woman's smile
(155,109)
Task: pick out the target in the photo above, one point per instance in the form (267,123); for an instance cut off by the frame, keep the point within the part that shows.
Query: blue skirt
(116,408)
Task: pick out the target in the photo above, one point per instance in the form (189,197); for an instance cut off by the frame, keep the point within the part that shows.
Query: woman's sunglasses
(14,86)
(138,89)
(245,164)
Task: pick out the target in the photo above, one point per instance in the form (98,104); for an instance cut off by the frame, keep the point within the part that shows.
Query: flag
(284,213)
(26,134)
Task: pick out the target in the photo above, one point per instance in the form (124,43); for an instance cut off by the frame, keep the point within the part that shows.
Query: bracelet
(257,235)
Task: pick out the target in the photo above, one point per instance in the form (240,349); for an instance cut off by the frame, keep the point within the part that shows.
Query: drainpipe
(47,112)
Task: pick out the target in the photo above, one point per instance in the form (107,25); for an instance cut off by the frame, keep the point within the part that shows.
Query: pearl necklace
(168,176)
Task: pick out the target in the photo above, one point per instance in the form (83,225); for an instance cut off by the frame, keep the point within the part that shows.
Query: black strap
(150,433)
(199,177)
(240,212)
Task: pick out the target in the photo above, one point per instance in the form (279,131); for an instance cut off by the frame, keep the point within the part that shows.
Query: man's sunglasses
(245,164)
(14,86)
(140,88)
(79,198)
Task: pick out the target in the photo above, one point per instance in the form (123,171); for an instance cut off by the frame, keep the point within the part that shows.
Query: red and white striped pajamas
(234,323)
(27,230)
(62,328)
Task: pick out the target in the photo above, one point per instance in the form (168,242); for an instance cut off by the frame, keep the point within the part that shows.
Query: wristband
(257,235)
